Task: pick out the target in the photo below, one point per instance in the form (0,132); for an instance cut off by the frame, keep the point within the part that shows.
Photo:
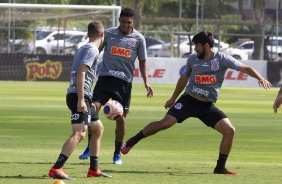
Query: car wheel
(40,51)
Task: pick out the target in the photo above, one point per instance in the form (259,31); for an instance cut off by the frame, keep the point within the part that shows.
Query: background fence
(169,20)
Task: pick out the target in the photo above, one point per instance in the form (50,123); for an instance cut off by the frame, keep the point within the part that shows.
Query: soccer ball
(59,182)
(113,110)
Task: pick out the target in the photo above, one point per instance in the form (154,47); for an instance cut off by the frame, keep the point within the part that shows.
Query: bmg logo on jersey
(205,79)
(120,51)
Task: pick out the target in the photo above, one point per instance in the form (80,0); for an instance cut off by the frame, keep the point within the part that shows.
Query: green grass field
(35,124)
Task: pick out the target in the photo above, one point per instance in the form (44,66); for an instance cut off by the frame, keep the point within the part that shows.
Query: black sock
(61,161)
(135,139)
(138,137)
(117,147)
(221,161)
(94,163)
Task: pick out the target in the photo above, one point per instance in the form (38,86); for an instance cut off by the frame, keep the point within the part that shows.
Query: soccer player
(122,45)
(278,100)
(204,74)
(79,101)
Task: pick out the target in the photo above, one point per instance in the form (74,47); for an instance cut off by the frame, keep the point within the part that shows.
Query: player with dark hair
(122,45)
(278,101)
(205,71)
(79,101)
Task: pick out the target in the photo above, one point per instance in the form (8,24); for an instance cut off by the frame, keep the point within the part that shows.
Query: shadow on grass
(32,163)
(45,176)
(21,177)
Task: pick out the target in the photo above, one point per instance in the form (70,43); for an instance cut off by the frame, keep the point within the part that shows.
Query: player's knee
(166,122)
(230,131)
(79,136)
(97,128)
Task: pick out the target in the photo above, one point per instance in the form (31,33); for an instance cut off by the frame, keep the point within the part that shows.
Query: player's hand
(81,106)
(169,103)
(94,107)
(277,103)
(265,84)
(150,92)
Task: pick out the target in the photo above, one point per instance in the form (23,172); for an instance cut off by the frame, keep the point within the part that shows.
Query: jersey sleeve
(141,49)
(231,62)
(89,56)
(188,68)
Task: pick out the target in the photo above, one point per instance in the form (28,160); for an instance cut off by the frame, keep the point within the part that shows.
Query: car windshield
(274,42)
(152,41)
(76,38)
(236,44)
(42,34)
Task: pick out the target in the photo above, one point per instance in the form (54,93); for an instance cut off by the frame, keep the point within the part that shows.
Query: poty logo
(48,69)
(120,51)
(74,116)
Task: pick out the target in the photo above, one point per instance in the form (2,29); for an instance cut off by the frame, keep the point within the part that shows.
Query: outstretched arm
(278,100)
(181,83)
(144,73)
(253,73)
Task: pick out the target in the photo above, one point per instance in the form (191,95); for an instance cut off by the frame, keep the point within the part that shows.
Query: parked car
(152,41)
(13,46)
(45,40)
(71,44)
(274,47)
(247,46)
(154,50)
(185,51)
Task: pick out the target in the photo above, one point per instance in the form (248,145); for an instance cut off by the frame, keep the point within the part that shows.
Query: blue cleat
(85,154)
(117,159)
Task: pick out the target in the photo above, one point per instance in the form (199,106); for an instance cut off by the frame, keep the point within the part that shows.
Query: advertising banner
(21,67)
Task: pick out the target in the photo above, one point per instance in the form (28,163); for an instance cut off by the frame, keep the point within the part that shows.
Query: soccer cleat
(59,174)
(223,171)
(97,173)
(126,147)
(117,159)
(85,154)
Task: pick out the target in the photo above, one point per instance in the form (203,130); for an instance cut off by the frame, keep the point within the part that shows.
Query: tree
(258,14)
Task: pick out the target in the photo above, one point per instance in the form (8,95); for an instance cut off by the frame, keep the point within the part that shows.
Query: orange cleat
(97,173)
(59,174)
(223,171)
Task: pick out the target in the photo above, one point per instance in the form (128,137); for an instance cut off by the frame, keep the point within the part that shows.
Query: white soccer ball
(113,110)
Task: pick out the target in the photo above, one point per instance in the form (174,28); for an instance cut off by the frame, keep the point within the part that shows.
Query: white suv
(71,44)
(273,49)
(184,50)
(45,40)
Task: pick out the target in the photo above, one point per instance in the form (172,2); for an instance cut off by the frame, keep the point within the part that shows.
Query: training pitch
(35,122)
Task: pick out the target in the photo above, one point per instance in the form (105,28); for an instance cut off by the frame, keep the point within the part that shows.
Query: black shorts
(80,117)
(112,88)
(187,106)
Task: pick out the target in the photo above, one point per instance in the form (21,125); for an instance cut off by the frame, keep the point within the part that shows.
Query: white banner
(168,71)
